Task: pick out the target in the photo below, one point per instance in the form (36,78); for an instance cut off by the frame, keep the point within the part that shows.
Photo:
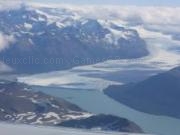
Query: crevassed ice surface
(98,76)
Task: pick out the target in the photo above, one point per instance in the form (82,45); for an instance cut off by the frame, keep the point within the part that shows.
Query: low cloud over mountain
(5,41)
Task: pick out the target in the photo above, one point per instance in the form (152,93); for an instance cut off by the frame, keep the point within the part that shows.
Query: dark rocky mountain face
(104,122)
(19,104)
(47,40)
(158,95)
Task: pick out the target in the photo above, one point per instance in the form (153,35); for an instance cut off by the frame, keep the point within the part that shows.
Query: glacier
(163,56)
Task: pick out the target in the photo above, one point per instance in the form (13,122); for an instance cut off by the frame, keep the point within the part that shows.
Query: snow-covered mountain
(44,39)
(19,104)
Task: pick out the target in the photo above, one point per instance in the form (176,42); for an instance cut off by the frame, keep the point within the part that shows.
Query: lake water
(96,102)
(84,84)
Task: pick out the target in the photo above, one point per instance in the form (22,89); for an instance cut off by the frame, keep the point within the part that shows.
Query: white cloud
(5,68)
(9,4)
(161,20)
(5,41)
(150,15)
(155,17)
(131,14)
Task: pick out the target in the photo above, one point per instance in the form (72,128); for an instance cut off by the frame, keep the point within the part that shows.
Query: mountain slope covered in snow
(19,104)
(46,39)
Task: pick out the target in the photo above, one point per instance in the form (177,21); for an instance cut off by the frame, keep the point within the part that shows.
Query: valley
(71,65)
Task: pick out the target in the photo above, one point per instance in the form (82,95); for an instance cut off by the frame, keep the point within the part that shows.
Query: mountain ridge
(158,94)
(20,104)
(57,34)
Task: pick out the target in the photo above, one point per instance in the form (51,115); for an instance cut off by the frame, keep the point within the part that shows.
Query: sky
(117,2)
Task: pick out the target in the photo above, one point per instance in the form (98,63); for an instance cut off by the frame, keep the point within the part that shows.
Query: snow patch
(2,110)
(51,115)
(28,26)
(5,41)
(34,100)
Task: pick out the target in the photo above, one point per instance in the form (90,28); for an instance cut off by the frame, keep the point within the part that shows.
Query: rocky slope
(104,122)
(19,104)
(157,95)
